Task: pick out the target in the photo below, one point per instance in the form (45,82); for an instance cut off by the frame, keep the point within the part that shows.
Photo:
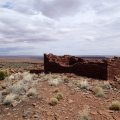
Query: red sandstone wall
(113,68)
(56,64)
(71,64)
(94,70)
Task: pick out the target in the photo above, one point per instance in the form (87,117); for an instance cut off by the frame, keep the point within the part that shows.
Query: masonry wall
(93,70)
(113,68)
(79,66)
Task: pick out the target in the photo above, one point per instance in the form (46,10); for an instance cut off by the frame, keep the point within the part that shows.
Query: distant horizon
(58,55)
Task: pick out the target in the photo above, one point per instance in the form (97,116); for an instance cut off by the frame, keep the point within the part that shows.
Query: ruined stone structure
(95,68)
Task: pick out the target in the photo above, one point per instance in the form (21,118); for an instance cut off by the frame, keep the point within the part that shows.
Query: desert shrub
(66,80)
(59,96)
(98,91)
(54,82)
(53,101)
(27,77)
(85,114)
(18,88)
(83,84)
(3,75)
(115,105)
(31,92)
(105,85)
(9,99)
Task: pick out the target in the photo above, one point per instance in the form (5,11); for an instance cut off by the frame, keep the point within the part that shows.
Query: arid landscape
(54,96)
(59,59)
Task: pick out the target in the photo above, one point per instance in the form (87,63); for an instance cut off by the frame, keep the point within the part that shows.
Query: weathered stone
(70,101)
(34,104)
(14,104)
(101,68)
(3,86)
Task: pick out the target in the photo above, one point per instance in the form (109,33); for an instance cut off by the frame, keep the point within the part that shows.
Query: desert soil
(72,106)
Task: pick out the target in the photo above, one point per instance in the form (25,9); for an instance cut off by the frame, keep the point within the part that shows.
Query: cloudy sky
(77,27)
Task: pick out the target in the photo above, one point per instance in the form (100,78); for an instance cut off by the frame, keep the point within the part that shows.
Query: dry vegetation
(18,84)
(53,101)
(98,91)
(115,105)
(57,97)
(85,114)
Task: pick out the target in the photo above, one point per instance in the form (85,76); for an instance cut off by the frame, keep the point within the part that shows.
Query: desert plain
(54,96)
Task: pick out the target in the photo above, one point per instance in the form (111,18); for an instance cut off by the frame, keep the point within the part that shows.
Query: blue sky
(77,27)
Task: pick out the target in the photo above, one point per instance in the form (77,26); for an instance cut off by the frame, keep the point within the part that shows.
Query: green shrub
(115,105)
(3,75)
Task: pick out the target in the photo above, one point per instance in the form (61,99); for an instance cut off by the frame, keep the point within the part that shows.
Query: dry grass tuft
(105,85)
(18,88)
(83,84)
(9,99)
(98,91)
(59,96)
(55,82)
(115,105)
(27,77)
(20,85)
(53,101)
(32,92)
(85,114)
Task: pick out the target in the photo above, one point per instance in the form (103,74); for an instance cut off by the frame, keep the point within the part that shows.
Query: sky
(75,27)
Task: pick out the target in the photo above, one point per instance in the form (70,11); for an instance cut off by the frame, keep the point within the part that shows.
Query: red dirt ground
(69,108)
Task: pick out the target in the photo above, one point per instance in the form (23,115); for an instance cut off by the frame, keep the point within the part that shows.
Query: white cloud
(61,27)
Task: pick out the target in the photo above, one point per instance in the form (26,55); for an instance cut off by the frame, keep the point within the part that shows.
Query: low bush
(85,114)
(83,84)
(59,96)
(105,85)
(115,105)
(53,101)
(98,91)
(18,88)
(31,92)
(9,99)
(3,75)
(55,82)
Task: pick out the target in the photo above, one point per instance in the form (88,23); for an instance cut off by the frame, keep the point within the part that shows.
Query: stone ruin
(103,68)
